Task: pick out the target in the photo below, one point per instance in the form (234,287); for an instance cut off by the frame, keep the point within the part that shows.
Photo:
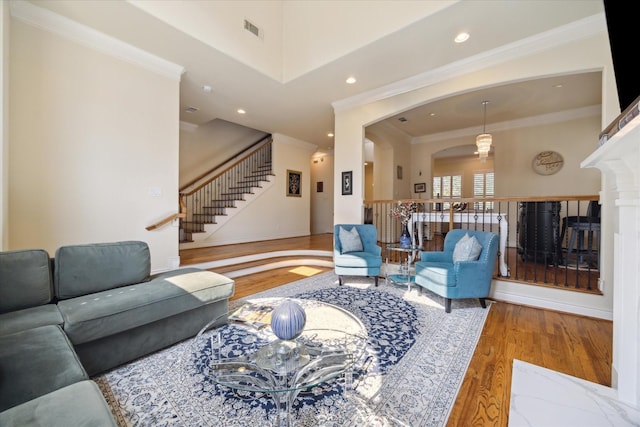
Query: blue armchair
(358,254)
(437,271)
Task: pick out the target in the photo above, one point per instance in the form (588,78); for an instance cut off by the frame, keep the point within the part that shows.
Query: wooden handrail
(181,214)
(201,176)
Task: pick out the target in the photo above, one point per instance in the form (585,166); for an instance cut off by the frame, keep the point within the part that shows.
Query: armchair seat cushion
(79,404)
(439,273)
(106,313)
(29,318)
(35,362)
(358,259)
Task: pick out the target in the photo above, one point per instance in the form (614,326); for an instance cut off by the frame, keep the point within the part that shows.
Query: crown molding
(533,121)
(87,36)
(577,30)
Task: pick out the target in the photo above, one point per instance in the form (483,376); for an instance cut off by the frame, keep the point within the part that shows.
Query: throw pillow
(350,240)
(467,249)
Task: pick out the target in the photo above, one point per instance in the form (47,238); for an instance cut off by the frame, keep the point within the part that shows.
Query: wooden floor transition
(574,345)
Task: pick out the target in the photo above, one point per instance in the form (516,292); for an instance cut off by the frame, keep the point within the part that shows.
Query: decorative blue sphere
(288,320)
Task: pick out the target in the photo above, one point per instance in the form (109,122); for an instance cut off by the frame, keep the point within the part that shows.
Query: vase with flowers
(403,211)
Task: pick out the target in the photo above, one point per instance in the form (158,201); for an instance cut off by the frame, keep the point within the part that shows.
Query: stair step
(242,189)
(221,203)
(234,193)
(215,210)
(199,218)
(192,227)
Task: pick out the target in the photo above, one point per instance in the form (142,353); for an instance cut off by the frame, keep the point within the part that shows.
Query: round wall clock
(547,162)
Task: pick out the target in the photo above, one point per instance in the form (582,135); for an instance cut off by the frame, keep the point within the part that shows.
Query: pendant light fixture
(483,141)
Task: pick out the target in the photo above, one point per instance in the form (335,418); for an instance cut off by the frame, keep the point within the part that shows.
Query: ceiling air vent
(253,29)
(402,119)
(190,110)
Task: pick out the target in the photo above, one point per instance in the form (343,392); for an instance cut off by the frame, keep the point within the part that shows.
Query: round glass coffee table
(239,351)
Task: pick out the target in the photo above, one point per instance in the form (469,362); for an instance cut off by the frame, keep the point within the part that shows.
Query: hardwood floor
(574,345)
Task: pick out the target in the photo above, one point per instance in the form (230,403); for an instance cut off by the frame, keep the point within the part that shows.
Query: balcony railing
(547,241)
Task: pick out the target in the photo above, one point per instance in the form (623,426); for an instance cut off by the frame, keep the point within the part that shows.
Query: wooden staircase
(212,199)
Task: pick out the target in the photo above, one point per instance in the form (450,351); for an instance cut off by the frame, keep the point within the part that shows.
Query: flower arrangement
(403,211)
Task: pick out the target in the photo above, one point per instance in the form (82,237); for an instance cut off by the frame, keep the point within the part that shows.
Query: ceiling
(288,80)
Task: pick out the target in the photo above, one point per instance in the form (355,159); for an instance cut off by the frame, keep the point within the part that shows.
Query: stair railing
(211,195)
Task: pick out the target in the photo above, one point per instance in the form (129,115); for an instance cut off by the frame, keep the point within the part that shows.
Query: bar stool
(580,225)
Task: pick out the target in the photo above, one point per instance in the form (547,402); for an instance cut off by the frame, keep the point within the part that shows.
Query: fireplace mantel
(619,160)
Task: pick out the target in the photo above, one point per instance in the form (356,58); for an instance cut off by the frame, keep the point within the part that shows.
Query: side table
(404,275)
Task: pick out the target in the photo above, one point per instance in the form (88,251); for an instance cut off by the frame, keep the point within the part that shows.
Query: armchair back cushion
(86,269)
(25,279)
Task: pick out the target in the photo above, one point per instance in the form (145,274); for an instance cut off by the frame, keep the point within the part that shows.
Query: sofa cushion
(86,269)
(467,249)
(28,318)
(350,240)
(25,279)
(358,260)
(439,273)
(89,317)
(35,362)
(79,404)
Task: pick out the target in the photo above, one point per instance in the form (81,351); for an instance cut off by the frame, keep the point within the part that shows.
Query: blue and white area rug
(419,356)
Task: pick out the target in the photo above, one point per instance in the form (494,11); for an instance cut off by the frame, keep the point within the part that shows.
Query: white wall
(397,145)
(589,53)
(514,150)
(322,202)
(91,138)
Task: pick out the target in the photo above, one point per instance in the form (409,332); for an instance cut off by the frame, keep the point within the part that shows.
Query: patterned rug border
(419,390)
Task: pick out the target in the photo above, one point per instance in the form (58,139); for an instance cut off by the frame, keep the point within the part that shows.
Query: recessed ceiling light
(330,135)
(207,89)
(432,114)
(558,86)
(351,80)
(241,111)
(461,38)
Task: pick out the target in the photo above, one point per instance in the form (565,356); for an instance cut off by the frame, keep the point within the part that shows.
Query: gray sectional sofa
(87,310)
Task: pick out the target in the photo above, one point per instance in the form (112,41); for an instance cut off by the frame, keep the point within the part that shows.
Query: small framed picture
(399,172)
(420,187)
(294,183)
(319,186)
(347,183)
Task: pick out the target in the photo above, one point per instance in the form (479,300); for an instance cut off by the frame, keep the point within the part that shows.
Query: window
(483,187)
(446,187)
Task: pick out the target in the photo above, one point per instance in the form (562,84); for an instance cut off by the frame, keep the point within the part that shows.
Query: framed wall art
(319,187)
(294,183)
(420,187)
(347,183)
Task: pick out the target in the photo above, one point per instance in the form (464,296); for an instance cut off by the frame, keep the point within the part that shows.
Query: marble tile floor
(541,397)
